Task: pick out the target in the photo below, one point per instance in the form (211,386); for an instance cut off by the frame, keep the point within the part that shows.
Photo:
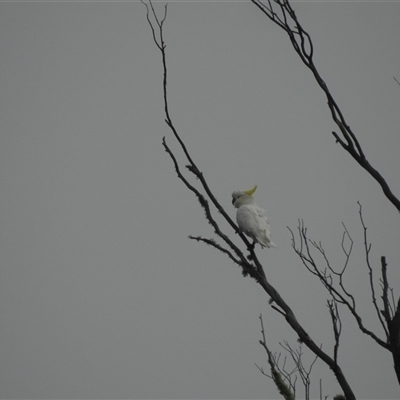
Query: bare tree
(389,316)
(282,14)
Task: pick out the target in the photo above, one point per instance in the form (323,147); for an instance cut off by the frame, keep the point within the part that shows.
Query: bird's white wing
(246,218)
(253,221)
(263,221)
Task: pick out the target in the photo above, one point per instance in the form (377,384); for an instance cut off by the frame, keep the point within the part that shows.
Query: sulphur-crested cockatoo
(251,219)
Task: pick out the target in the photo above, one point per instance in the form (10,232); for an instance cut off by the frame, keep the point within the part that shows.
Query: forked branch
(332,280)
(281,13)
(285,378)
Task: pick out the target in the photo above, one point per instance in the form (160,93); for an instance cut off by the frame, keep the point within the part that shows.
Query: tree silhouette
(281,13)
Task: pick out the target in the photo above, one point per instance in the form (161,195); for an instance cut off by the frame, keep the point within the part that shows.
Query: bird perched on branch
(251,219)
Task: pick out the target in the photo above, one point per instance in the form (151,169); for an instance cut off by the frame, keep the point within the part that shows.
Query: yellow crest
(251,191)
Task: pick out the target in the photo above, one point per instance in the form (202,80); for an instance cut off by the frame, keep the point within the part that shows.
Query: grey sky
(102,294)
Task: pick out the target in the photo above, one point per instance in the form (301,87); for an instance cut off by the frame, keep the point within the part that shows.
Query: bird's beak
(233,201)
(251,191)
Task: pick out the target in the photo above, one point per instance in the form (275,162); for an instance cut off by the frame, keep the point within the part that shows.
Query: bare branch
(338,294)
(367,249)
(387,309)
(213,243)
(394,339)
(336,325)
(286,389)
(297,357)
(287,20)
(192,167)
(247,267)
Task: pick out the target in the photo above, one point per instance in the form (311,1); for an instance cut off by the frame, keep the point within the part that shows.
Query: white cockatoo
(251,219)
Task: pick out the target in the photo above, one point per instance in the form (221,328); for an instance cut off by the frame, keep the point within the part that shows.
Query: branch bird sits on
(251,219)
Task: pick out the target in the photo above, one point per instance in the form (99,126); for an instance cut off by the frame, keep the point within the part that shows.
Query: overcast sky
(102,293)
